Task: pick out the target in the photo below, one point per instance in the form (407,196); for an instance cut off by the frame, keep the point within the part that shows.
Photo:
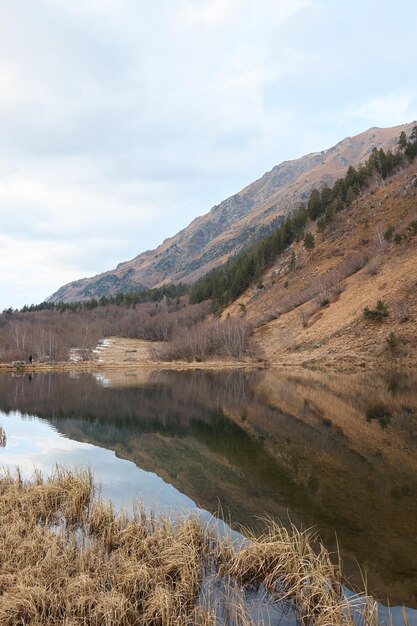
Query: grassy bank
(94,366)
(123,352)
(68,558)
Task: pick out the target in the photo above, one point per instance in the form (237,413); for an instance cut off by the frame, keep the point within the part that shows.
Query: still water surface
(333,451)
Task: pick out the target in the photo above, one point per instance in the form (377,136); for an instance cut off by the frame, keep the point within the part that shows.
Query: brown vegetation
(325,286)
(68,560)
(230,338)
(49,335)
(164,332)
(313,314)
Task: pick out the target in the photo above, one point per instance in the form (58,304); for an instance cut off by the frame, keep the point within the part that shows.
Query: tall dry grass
(69,558)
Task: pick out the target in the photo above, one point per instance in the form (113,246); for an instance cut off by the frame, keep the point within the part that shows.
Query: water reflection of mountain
(334,451)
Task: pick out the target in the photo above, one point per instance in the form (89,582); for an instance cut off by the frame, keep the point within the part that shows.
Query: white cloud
(389,110)
(29,270)
(121,120)
(286,8)
(208,13)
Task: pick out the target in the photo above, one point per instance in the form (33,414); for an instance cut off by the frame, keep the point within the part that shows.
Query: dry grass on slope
(314,314)
(66,559)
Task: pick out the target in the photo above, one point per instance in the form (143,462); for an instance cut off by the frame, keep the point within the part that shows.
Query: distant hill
(210,239)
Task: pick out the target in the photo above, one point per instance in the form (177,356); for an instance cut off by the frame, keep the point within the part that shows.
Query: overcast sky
(122,120)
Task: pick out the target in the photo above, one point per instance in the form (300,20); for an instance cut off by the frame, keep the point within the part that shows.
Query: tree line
(126,299)
(224,284)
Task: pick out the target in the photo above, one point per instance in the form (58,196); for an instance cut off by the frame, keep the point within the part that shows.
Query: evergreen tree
(411,147)
(350,195)
(339,190)
(309,242)
(321,224)
(351,177)
(326,197)
(314,205)
(402,141)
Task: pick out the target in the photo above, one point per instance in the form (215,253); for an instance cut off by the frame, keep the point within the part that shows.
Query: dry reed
(67,557)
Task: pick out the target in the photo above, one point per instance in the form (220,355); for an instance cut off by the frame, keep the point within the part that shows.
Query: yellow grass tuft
(66,558)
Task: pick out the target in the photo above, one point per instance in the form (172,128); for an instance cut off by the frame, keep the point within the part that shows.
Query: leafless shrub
(156,353)
(50,335)
(380,243)
(308,311)
(265,317)
(352,264)
(336,282)
(373,266)
(324,291)
(323,287)
(233,337)
(296,299)
(304,317)
(230,338)
(23,336)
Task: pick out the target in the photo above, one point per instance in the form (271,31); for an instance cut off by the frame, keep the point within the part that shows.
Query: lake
(337,452)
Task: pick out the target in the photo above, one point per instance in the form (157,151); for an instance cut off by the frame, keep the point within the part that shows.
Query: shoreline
(94,366)
(123,353)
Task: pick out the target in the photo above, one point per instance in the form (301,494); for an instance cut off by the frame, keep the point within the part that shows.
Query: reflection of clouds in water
(33,444)
(386,614)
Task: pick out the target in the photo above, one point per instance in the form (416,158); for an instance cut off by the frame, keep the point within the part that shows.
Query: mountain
(210,239)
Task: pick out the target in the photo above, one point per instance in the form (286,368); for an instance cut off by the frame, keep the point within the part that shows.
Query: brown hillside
(314,314)
(210,239)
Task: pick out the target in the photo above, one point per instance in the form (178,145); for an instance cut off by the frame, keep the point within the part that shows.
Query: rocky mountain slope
(211,238)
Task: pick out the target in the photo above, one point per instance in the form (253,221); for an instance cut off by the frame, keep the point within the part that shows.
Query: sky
(122,120)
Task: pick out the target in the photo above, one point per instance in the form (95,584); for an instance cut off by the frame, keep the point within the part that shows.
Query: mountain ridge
(229,226)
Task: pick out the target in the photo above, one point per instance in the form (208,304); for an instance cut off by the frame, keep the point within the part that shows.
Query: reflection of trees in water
(3,438)
(259,442)
(166,397)
(379,413)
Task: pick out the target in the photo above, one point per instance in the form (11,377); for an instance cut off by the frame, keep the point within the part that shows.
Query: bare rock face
(210,239)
